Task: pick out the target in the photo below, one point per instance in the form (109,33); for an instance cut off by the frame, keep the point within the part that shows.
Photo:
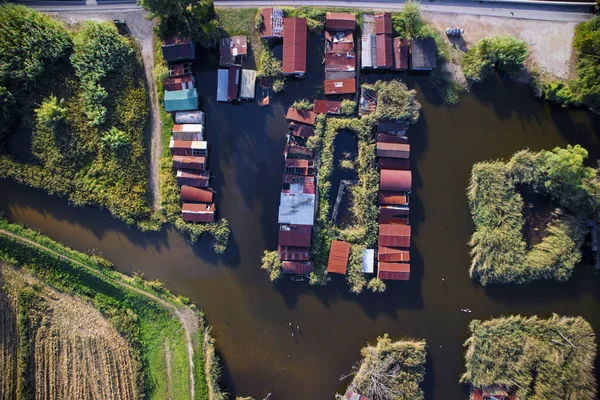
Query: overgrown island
(530,215)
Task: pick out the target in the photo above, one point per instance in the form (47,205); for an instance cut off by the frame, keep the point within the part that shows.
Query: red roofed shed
(298,268)
(392,254)
(340,86)
(233,83)
(293,253)
(395,180)
(192,178)
(294,46)
(198,212)
(385,52)
(301,130)
(196,195)
(327,107)
(392,215)
(295,235)
(394,271)
(338,257)
(392,198)
(394,235)
(401,53)
(179,82)
(383,23)
(387,138)
(340,21)
(300,116)
(189,162)
(393,163)
(393,150)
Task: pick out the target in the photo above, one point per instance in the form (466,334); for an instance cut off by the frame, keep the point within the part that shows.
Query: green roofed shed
(181,100)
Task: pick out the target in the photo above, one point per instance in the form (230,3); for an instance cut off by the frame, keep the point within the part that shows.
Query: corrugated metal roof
(385,52)
(298,209)
(392,215)
(301,130)
(191,128)
(393,150)
(196,195)
(340,62)
(339,47)
(295,235)
(339,75)
(297,268)
(301,116)
(394,271)
(193,178)
(181,100)
(368,261)
(393,198)
(327,107)
(175,48)
(339,37)
(383,23)
(232,47)
(338,257)
(368,49)
(401,53)
(179,82)
(394,235)
(188,144)
(222,84)
(180,69)
(292,253)
(189,162)
(392,254)
(342,86)
(395,180)
(233,83)
(368,23)
(393,163)
(192,212)
(294,45)
(340,21)
(296,184)
(423,54)
(248,84)
(389,138)
(189,117)
(272,25)
(392,126)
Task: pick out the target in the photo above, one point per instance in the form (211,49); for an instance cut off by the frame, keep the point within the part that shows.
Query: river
(250,315)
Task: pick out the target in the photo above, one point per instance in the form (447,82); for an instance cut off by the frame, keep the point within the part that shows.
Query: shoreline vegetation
(145,314)
(390,370)
(500,251)
(532,358)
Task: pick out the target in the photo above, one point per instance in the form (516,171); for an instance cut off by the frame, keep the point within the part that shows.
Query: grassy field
(146,316)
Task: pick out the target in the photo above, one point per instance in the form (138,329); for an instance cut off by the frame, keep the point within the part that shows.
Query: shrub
(412,21)
(505,52)
(272,264)
(348,107)
(395,101)
(115,139)
(52,113)
(376,285)
(303,104)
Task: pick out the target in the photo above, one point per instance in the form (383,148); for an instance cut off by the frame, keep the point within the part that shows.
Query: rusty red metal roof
(339,37)
(295,235)
(394,235)
(392,198)
(180,69)
(327,107)
(385,52)
(189,162)
(192,212)
(232,47)
(387,138)
(393,150)
(340,86)
(340,62)
(383,23)
(301,130)
(193,177)
(301,116)
(307,182)
(340,47)
(394,271)
(294,45)
(392,254)
(340,21)
(393,163)
(401,53)
(338,257)
(233,83)
(179,82)
(298,268)
(395,180)
(196,195)
(392,215)
(299,166)
(293,253)
(266,27)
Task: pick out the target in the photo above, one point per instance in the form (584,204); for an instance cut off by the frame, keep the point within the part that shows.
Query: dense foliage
(585,89)
(269,68)
(348,107)
(391,370)
(534,358)
(303,105)
(395,101)
(504,52)
(500,252)
(272,264)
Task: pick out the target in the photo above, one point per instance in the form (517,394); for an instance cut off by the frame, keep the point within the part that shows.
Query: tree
(52,113)
(272,264)
(395,101)
(411,18)
(376,285)
(115,140)
(348,107)
(504,52)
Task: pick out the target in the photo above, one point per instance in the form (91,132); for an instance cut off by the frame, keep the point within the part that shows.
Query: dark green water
(250,315)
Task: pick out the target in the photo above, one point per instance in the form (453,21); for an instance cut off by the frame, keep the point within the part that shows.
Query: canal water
(250,315)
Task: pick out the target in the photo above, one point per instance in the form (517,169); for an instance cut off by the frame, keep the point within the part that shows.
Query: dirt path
(168,362)
(186,316)
(143,30)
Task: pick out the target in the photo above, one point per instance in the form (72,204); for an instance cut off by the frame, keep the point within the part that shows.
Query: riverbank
(167,336)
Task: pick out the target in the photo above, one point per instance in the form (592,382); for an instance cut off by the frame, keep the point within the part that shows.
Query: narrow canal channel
(250,315)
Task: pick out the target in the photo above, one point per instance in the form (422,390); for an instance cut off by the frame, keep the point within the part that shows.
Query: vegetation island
(531,358)
(389,370)
(530,215)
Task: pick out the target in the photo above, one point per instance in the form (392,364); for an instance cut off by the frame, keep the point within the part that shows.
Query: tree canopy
(395,101)
(504,52)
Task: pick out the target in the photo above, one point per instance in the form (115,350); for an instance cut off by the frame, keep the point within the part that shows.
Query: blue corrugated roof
(181,100)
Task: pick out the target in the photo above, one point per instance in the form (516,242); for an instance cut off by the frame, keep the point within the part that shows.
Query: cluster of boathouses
(187,145)
(234,83)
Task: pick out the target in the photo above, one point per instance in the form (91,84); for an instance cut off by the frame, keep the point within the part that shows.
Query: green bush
(52,114)
(395,101)
(303,105)
(504,52)
(272,264)
(533,358)
(348,107)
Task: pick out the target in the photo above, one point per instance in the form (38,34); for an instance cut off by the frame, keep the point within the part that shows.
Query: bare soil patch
(538,212)
(550,41)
